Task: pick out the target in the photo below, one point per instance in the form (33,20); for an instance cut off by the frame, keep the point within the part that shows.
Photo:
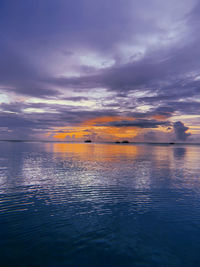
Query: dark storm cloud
(142,123)
(14,117)
(33,30)
(190,107)
(168,73)
(174,96)
(163,111)
(181,131)
(76,98)
(19,75)
(101,24)
(160,112)
(55,114)
(153,74)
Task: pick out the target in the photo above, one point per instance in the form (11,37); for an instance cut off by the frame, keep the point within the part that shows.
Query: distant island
(88,141)
(122,142)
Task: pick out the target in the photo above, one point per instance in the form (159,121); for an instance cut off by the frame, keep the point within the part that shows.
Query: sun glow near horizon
(98,129)
(95,129)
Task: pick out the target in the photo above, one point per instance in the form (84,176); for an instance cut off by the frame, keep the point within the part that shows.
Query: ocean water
(99,205)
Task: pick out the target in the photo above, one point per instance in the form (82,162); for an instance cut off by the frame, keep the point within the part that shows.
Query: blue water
(99,205)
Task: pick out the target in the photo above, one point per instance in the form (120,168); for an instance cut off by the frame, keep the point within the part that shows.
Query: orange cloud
(93,129)
(73,132)
(160,117)
(105,119)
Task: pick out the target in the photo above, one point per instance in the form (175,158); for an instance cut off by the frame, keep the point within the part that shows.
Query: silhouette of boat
(125,142)
(88,141)
(172,143)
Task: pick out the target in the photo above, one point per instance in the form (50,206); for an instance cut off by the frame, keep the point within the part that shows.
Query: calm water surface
(99,205)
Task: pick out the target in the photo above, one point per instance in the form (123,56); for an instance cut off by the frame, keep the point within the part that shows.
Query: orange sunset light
(106,119)
(97,129)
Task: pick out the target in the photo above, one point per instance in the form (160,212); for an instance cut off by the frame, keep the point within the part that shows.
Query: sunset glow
(104,71)
(99,133)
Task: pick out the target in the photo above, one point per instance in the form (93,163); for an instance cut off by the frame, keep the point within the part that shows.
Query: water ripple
(99,205)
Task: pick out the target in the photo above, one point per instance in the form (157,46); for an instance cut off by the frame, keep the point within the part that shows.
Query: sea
(87,204)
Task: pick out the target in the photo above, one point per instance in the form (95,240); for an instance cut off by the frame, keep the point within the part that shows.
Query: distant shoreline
(82,142)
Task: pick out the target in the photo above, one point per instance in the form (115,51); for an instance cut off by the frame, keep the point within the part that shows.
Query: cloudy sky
(105,69)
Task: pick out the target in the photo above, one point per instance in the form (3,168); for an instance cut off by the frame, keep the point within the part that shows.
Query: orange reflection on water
(94,152)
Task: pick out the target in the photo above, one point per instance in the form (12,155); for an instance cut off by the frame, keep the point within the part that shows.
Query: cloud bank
(66,62)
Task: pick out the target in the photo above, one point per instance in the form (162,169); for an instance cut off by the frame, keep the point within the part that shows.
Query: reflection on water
(91,152)
(99,205)
(179,152)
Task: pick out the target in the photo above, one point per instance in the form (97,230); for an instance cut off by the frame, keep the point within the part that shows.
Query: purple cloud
(181,131)
(137,59)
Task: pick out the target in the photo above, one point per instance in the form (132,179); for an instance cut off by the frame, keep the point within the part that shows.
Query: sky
(105,70)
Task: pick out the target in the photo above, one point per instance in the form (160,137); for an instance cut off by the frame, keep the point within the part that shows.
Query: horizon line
(100,142)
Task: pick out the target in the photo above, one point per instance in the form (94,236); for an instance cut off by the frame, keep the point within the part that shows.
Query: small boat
(172,143)
(88,141)
(125,142)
